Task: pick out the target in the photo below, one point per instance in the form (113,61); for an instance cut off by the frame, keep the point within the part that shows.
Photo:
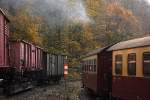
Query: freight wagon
(53,66)
(4,45)
(23,63)
(26,58)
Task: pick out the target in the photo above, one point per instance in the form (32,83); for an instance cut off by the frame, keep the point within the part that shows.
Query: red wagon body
(26,56)
(4,35)
(22,63)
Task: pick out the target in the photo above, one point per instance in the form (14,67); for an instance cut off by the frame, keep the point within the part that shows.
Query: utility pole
(65,77)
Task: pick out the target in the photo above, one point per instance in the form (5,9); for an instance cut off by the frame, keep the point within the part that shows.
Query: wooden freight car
(23,63)
(131,69)
(4,44)
(96,71)
(53,67)
(26,58)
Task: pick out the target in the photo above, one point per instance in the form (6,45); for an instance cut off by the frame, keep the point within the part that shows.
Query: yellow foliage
(92,7)
(88,31)
(26,27)
(127,15)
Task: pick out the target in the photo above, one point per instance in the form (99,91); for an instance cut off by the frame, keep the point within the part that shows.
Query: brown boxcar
(26,56)
(53,66)
(131,69)
(4,35)
(4,45)
(96,75)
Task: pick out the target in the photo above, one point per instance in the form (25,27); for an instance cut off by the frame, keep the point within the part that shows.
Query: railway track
(53,92)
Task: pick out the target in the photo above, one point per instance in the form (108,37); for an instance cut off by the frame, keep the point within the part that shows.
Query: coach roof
(2,12)
(134,43)
(95,52)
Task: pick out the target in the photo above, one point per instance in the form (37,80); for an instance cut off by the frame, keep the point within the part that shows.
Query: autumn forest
(75,27)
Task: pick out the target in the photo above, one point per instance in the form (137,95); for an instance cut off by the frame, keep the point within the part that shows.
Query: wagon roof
(19,40)
(134,43)
(1,11)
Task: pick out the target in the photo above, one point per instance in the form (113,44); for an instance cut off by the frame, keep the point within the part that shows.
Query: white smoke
(72,9)
(78,11)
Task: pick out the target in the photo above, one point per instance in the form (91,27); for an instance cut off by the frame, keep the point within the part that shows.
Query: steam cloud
(54,11)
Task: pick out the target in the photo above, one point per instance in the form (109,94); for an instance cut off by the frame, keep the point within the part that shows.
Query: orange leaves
(125,14)
(92,7)
(26,27)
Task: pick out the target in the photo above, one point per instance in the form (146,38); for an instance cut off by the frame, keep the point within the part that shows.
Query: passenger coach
(119,72)
(131,69)
(96,71)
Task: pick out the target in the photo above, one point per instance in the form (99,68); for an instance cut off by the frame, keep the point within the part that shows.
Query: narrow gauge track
(53,92)
(45,91)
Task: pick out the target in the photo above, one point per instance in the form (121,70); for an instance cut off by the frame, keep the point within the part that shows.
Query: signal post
(65,78)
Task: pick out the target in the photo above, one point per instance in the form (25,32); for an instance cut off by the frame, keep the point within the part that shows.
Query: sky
(148,1)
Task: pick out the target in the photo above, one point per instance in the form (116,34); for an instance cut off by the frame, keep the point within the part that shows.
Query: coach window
(146,64)
(84,65)
(132,64)
(86,68)
(91,65)
(88,63)
(94,65)
(118,64)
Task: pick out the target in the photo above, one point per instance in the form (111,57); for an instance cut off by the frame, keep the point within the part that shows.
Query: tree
(113,22)
(26,27)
